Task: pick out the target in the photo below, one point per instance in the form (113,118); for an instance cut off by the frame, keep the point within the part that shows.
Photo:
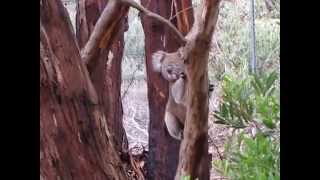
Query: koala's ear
(157,59)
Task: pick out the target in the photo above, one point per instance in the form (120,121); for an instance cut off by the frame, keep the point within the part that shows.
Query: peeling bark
(105,68)
(74,138)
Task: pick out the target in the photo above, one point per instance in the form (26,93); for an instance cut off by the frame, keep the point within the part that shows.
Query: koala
(170,65)
(172,68)
(175,113)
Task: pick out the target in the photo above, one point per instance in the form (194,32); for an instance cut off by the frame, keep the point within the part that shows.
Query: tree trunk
(74,137)
(163,149)
(105,68)
(193,155)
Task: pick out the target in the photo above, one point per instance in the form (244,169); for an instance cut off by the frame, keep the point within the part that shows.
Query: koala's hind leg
(173,125)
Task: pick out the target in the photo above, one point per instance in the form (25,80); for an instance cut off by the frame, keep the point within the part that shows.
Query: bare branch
(217,149)
(130,83)
(182,11)
(157,17)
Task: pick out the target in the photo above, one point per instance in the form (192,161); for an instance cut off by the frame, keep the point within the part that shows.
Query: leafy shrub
(253,159)
(246,101)
(249,99)
(237,108)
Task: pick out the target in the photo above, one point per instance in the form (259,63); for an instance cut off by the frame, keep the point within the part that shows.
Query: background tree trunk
(74,137)
(105,68)
(163,149)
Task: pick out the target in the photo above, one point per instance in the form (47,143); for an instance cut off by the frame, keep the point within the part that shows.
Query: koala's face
(170,65)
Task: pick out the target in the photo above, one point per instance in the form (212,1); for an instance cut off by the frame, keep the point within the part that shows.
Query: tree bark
(75,142)
(105,68)
(193,155)
(183,13)
(163,149)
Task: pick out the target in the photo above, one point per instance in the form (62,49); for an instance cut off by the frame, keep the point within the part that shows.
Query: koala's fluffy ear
(157,59)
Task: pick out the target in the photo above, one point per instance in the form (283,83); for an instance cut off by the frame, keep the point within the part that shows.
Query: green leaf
(270,92)
(256,88)
(186,178)
(271,79)
(220,120)
(269,123)
(258,82)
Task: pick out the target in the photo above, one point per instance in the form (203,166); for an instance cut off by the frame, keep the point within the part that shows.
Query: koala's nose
(169,71)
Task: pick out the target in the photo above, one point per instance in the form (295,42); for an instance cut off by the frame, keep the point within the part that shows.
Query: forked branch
(106,24)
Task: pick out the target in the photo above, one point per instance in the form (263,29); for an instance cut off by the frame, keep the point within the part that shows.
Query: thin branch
(171,10)
(217,149)
(157,17)
(179,12)
(130,83)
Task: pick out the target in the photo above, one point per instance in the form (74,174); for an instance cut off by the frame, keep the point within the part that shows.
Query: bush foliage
(250,102)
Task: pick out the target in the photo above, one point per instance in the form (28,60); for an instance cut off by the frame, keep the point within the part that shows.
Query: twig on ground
(217,149)
(130,83)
